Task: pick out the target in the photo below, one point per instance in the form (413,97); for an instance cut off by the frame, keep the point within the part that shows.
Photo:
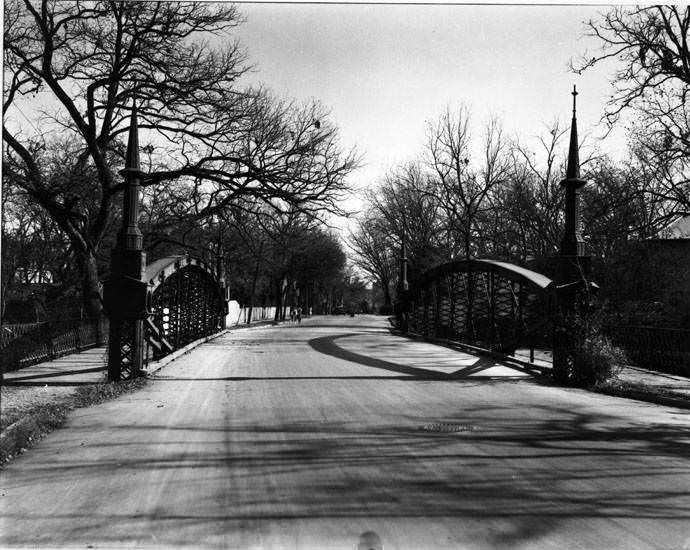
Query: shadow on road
(361,328)
(38,378)
(533,476)
(328,346)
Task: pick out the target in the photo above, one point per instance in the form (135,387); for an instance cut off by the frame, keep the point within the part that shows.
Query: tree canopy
(73,71)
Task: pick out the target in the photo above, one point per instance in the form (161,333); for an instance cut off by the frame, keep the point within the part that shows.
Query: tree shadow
(327,345)
(535,475)
(15,380)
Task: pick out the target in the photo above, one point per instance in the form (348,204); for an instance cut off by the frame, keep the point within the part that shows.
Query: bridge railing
(23,345)
(488,304)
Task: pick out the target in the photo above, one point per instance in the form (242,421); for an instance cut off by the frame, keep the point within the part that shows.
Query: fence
(29,344)
(662,349)
(238,315)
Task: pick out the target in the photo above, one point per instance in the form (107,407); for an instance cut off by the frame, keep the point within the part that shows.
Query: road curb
(677,402)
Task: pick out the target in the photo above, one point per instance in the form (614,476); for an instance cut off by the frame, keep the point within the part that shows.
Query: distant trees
(505,203)
(442,202)
(374,252)
(286,258)
(461,185)
(74,70)
(33,252)
(303,259)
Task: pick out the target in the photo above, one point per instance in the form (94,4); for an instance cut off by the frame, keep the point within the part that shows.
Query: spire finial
(574,94)
(132,162)
(572,243)
(573,167)
(130,237)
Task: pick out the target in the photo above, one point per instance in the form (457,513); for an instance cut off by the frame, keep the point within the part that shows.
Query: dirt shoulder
(28,414)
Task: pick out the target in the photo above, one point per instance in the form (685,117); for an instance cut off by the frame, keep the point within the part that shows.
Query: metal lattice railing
(663,349)
(492,305)
(28,344)
(185,305)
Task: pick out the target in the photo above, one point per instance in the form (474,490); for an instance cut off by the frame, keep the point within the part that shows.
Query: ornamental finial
(574,94)
(573,168)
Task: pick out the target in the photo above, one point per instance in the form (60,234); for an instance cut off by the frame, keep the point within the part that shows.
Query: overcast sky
(384,70)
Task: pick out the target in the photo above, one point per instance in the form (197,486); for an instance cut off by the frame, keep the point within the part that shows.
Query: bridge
(420,431)
(155,309)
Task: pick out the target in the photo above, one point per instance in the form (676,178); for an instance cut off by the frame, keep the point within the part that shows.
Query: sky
(386,69)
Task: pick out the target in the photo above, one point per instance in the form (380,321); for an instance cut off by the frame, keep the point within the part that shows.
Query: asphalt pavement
(311,435)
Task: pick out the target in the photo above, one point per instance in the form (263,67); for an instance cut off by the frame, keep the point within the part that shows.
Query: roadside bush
(596,360)
(588,357)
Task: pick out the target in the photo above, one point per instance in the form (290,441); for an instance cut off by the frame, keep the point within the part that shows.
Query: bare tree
(404,207)
(533,205)
(87,62)
(460,185)
(374,252)
(650,44)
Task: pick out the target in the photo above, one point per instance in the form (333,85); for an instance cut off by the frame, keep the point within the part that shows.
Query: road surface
(307,436)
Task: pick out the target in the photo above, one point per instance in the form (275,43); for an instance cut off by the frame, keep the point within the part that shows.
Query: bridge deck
(306,436)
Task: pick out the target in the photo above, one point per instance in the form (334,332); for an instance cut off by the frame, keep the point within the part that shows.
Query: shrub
(596,360)
(587,356)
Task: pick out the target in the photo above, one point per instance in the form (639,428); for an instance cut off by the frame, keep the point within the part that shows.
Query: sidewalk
(85,367)
(90,366)
(657,380)
(629,374)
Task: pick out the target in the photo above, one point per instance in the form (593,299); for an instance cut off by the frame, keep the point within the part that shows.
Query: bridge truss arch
(494,305)
(185,303)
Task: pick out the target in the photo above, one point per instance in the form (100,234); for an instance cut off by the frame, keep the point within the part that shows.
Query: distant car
(339,310)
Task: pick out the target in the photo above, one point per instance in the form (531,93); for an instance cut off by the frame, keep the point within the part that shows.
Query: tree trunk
(279,301)
(255,278)
(90,287)
(386,293)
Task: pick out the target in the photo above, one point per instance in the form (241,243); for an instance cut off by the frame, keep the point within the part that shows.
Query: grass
(32,416)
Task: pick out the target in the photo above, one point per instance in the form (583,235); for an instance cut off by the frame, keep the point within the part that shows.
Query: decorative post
(126,291)
(573,245)
(572,263)
(403,287)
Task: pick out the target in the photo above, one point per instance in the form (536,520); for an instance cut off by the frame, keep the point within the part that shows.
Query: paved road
(308,436)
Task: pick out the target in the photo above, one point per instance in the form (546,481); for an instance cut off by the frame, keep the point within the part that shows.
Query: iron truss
(493,305)
(185,304)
